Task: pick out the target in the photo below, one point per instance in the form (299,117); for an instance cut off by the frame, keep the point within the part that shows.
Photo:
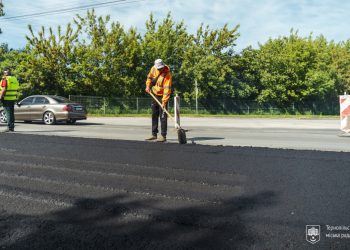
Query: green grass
(273,113)
(186,112)
(267,116)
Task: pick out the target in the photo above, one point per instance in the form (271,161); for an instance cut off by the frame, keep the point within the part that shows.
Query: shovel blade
(181,136)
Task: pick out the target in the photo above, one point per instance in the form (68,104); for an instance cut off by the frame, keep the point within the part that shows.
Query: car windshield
(60,99)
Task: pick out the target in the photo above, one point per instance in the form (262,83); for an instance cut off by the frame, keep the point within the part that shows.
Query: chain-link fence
(103,105)
(142,105)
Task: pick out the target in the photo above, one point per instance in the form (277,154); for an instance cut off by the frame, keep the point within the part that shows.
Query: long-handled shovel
(181,133)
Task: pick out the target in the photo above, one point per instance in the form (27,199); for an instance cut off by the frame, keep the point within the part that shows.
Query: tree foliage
(295,69)
(95,56)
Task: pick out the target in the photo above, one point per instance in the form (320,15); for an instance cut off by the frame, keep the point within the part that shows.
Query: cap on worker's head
(159,64)
(6,69)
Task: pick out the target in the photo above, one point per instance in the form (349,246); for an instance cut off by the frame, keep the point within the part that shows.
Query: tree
(51,58)
(167,40)
(90,58)
(109,57)
(245,79)
(295,69)
(95,56)
(340,54)
(208,60)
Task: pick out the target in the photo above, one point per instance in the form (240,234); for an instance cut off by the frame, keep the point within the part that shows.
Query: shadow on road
(119,222)
(59,123)
(194,139)
(84,124)
(46,131)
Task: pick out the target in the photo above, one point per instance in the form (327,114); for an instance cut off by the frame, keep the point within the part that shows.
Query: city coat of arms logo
(313,233)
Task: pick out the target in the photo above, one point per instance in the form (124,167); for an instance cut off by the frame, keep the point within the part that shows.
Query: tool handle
(155,98)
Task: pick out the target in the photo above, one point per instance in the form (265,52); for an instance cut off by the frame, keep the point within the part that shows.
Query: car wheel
(71,121)
(3,118)
(49,118)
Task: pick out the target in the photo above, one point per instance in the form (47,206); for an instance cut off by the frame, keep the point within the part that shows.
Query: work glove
(164,105)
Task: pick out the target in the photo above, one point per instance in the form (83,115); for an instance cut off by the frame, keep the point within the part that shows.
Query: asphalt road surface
(66,192)
(320,134)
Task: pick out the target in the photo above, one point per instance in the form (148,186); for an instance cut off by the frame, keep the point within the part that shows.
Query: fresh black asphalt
(75,193)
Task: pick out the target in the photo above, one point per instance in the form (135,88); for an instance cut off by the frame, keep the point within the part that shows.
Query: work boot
(161,139)
(152,138)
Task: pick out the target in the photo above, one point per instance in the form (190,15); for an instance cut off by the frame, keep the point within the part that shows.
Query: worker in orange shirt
(159,82)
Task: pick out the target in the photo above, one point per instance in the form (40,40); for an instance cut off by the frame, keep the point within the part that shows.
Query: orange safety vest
(160,81)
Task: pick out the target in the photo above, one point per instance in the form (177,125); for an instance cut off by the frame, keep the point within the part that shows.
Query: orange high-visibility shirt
(160,82)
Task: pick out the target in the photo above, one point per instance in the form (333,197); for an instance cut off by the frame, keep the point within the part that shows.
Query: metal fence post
(196,85)
(137,105)
(104,105)
(315,108)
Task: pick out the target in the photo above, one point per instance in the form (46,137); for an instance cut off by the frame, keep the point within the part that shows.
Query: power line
(67,10)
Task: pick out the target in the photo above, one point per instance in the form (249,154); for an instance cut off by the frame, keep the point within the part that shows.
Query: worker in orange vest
(159,82)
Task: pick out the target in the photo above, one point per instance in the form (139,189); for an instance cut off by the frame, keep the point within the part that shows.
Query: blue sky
(258,19)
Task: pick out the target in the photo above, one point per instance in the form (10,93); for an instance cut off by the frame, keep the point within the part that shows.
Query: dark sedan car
(47,108)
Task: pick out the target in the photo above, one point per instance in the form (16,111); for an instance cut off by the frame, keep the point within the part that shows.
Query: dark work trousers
(158,113)
(10,115)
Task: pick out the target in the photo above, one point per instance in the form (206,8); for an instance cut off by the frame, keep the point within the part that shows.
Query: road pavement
(87,187)
(317,134)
